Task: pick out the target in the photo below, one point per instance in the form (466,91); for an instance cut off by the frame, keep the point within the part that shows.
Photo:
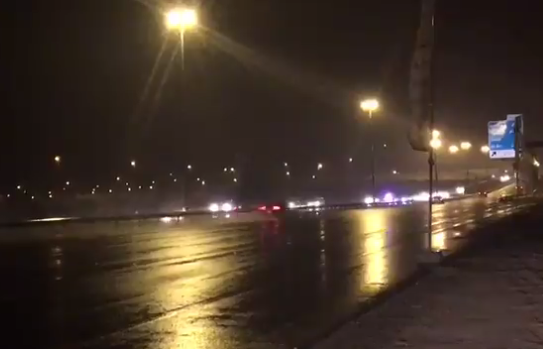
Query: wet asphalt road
(247,281)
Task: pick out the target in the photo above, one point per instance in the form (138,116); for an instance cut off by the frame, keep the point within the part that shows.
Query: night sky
(265,81)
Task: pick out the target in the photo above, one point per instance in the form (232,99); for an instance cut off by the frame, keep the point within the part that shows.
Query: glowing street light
(285,164)
(436,143)
(453,149)
(485,149)
(189,167)
(181,20)
(133,163)
(319,166)
(465,145)
(57,159)
(350,159)
(288,173)
(436,133)
(369,106)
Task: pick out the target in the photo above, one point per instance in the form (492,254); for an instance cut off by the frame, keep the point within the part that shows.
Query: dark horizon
(264,83)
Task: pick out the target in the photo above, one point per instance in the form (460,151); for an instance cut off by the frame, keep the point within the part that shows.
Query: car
(482,194)
(273,207)
(505,198)
(438,200)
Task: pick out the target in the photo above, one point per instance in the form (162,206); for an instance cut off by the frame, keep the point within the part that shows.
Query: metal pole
(372,161)
(182,49)
(431,161)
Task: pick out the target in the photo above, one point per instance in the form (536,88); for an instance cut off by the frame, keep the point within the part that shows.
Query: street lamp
(133,163)
(319,166)
(57,159)
(485,149)
(465,145)
(181,20)
(369,106)
(436,143)
(453,149)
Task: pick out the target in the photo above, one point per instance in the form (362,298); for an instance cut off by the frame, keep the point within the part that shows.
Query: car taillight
(276,208)
(262,208)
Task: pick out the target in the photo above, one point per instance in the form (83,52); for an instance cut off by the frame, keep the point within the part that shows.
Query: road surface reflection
(237,282)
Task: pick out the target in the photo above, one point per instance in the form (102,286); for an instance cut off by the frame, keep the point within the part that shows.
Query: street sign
(501,139)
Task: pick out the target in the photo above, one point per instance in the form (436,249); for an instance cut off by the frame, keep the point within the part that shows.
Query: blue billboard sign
(501,139)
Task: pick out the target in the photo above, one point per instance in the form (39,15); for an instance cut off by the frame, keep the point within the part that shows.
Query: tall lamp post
(181,20)
(369,106)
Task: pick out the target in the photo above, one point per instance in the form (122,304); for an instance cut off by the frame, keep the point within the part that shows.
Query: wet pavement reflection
(246,281)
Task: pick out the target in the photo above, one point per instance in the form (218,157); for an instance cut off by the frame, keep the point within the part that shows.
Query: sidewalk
(491,297)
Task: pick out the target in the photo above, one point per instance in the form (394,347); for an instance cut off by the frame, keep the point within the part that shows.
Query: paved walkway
(489,298)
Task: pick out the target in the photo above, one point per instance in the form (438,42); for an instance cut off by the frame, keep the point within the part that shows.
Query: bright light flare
(389,197)
(465,145)
(485,149)
(227,207)
(436,143)
(505,178)
(214,207)
(460,190)
(181,19)
(369,105)
(453,149)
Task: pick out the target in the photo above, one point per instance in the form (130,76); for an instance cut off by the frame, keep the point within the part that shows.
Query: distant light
(435,143)
(319,166)
(8,195)
(350,159)
(50,196)
(129,189)
(288,173)
(227,215)
(133,163)
(460,190)
(171,174)
(32,197)
(153,182)
(292,204)
(313,176)
(285,164)
(198,179)
(57,159)
(175,180)
(227,207)
(536,163)
(384,145)
(203,182)
(505,178)
(465,145)
(127,184)
(389,197)
(235,180)
(394,172)
(139,187)
(189,167)
(453,149)
(262,208)
(214,207)
(493,176)
(232,169)
(276,208)
(166,219)
(118,178)
(67,183)
(151,187)
(225,169)
(368,200)
(19,187)
(369,105)
(110,191)
(485,149)
(436,133)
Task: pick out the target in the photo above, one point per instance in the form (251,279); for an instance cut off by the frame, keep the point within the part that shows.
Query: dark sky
(265,81)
